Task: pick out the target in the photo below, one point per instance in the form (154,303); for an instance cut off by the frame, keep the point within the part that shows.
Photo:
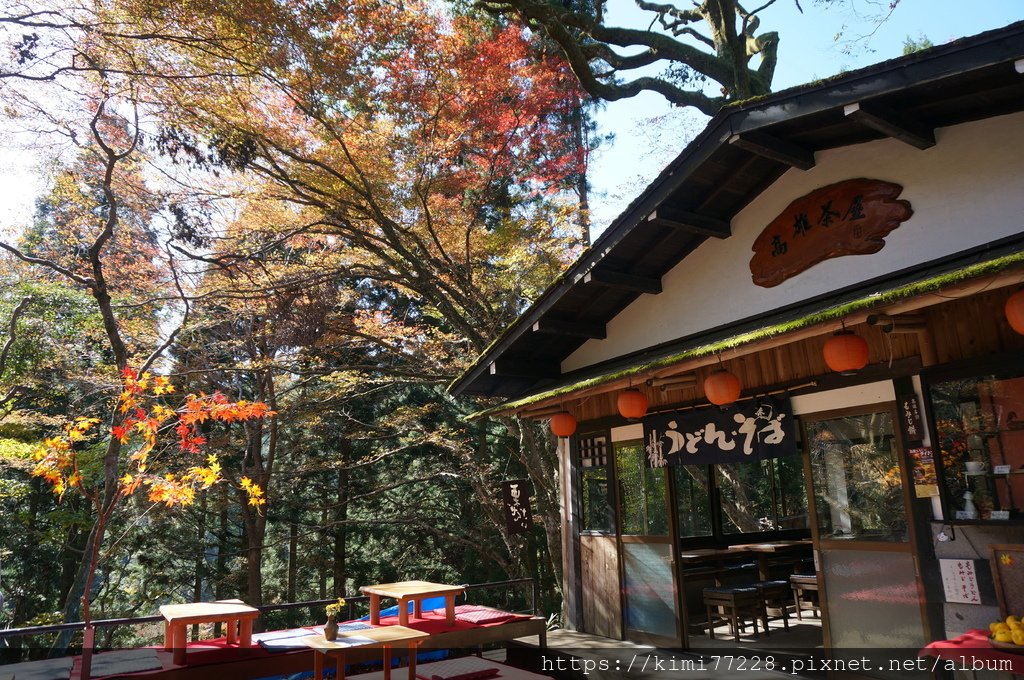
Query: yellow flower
(335,608)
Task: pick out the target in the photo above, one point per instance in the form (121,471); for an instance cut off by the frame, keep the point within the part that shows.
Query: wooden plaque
(1007,563)
(851,217)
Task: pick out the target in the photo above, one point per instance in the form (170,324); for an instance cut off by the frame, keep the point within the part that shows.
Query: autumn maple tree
(168,479)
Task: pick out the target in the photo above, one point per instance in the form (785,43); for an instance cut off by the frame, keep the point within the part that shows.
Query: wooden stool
(733,604)
(775,594)
(800,583)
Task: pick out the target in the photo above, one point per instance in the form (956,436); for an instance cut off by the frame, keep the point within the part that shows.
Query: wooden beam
(891,124)
(576,329)
(613,279)
(524,368)
(670,216)
(772,147)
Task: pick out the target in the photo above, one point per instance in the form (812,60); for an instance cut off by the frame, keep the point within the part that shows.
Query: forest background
(328,208)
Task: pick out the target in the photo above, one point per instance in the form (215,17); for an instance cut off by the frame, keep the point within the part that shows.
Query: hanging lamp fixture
(722,387)
(563,424)
(1014,311)
(632,404)
(846,352)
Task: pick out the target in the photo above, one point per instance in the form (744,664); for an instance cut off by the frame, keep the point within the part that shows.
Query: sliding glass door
(859,486)
(649,612)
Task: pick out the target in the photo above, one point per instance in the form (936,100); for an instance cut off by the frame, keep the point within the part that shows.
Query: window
(762,495)
(595,503)
(757,496)
(858,491)
(642,491)
(693,501)
(979,426)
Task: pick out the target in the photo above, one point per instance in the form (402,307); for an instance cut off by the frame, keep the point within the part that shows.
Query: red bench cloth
(463,668)
(974,644)
(479,614)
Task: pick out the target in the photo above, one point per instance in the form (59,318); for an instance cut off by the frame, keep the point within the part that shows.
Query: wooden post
(88,641)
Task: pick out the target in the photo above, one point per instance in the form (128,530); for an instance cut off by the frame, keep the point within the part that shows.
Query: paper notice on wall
(960,581)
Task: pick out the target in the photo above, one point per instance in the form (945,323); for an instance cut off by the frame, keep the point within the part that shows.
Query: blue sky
(648,133)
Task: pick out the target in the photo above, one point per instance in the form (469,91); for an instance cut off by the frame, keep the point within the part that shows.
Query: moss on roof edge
(828,314)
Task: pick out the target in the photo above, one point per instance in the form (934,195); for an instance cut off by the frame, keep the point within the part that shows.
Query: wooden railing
(356,605)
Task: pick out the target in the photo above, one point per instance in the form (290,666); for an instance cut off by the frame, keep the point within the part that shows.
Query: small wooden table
(415,591)
(234,613)
(384,638)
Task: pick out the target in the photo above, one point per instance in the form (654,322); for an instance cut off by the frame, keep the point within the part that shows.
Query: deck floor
(572,655)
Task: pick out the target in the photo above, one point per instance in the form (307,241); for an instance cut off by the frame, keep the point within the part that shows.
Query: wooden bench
(733,604)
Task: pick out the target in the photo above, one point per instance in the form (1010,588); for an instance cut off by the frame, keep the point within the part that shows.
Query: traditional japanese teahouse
(798,351)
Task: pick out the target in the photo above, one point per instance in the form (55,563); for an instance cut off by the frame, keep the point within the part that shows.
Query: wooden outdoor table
(236,615)
(384,638)
(415,591)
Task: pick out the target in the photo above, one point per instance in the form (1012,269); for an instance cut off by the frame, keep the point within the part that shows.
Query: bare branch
(50,264)
(172,336)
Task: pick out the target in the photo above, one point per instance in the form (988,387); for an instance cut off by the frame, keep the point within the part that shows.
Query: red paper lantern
(1015,311)
(846,352)
(563,424)
(722,387)
(632,404)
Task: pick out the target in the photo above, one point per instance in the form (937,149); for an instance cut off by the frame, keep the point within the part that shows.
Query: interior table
(384,638)
(415,592)
(764,552)
(235,614)
(712,558)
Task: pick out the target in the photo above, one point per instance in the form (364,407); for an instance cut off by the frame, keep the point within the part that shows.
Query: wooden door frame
(911,545)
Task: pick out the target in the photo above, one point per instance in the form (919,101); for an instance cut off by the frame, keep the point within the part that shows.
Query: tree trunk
(199,562)
(544,475)
(582,186)
(73,599)
(293,559)
(340,518)
(223,537)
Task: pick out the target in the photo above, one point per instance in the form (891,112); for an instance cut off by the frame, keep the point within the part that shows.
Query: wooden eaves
(1003,267)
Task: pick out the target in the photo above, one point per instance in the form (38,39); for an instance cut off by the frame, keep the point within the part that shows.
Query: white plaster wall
(965,191)
(845,397)
(627,433)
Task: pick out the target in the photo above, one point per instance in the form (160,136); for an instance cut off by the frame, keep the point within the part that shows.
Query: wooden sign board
(851,217)
(1008,573)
